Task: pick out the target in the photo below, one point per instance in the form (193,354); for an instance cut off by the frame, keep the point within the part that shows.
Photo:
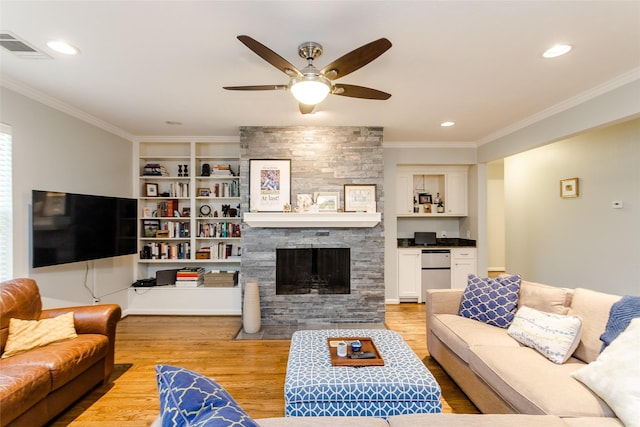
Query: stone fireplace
(323,159)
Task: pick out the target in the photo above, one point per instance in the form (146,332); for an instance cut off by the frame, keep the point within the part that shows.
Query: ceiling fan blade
(270,56)
(356,58)
(257,87)
(306,109)
(354,91)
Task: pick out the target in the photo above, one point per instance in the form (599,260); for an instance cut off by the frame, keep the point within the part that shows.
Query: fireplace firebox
(313,271)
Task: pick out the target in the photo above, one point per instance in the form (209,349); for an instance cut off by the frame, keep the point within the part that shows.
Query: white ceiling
(477,63)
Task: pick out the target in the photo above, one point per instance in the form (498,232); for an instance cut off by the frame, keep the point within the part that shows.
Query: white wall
(55,151)
(579,242)
(495,216)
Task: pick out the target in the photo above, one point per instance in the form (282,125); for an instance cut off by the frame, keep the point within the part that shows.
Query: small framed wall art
(569,188)
(150,190)
(269,184)
(150,227)
(360,198)
(327,202)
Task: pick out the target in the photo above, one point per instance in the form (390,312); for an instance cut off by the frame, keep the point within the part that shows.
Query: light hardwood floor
(252,371)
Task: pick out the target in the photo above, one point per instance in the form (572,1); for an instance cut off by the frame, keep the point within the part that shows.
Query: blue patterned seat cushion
(491,301)
(188,398)
(620,316)
(314,387)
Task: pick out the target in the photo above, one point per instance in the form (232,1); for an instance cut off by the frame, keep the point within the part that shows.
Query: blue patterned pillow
(191,399)
(491,301)
(621,314)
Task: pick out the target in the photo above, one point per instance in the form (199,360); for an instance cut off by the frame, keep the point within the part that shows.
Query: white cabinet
(425,184)
(456,193)
(409,275)
(463,263)
(404,194)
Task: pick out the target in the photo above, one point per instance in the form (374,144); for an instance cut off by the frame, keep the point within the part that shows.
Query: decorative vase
(251,307)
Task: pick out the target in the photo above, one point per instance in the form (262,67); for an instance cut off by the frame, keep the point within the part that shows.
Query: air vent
(19,47)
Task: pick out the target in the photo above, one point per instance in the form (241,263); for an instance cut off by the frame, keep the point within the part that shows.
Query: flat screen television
(68,227)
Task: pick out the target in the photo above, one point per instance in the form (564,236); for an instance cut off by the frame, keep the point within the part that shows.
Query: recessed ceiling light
(557,50)
(447,124)
(63,47)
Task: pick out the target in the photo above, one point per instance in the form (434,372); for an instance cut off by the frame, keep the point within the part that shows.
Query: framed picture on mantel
(360,198)
(269,184)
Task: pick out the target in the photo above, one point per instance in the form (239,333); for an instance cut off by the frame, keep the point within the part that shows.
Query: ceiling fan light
(310,90)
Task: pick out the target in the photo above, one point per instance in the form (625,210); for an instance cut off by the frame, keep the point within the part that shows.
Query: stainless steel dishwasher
(436,269)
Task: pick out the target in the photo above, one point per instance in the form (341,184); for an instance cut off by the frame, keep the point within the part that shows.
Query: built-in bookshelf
(188,213)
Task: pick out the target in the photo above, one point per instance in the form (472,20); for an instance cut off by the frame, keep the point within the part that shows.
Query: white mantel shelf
(312,220)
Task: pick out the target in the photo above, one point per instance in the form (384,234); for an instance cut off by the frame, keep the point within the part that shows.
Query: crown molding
(235,139)
(592,93)
(56,104)
(429,144)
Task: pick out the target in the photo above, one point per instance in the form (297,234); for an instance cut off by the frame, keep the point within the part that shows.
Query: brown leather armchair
(37,385)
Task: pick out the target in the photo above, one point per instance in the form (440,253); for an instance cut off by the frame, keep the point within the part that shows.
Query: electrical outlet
(443,233)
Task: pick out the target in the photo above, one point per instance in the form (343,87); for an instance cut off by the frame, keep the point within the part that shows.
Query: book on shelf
(189,283)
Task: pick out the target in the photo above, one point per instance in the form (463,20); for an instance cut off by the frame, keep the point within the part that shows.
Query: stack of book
(154,169)
(221,170)
(190,277)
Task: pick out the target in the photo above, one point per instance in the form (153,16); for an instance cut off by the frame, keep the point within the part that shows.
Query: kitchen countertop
(447,242)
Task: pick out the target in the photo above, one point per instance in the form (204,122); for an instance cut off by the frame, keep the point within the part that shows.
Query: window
(6,205)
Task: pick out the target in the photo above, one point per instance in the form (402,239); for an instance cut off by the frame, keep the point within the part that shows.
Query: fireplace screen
(313,270)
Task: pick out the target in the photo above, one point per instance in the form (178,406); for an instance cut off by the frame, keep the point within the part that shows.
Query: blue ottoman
(314,387)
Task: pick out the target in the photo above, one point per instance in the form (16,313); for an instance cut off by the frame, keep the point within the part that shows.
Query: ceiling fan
(311,86)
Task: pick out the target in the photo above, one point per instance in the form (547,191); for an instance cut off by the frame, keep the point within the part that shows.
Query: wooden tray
(367,345)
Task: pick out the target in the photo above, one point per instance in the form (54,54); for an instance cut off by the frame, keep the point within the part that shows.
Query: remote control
(362,355)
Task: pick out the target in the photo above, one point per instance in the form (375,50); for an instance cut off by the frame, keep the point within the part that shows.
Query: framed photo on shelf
(204,192)
(359,197)
(150,227)
(150,189)
(425,199)
(569,188)
(269,184)
(327,202)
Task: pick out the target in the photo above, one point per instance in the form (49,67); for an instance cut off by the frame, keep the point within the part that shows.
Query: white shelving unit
(198,218)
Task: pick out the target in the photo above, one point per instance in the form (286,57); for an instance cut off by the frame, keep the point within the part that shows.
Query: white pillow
(615,375)
(555,336)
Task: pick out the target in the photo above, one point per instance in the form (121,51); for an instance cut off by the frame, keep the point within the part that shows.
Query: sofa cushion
(322,422)
(458,333)
(21,387)
(491,301)
(188,398)
(533,385)
(66,360)
(28,334)
(475,420)
(593,307)
(621,314)
(614,375)
(544,297)
(555,336)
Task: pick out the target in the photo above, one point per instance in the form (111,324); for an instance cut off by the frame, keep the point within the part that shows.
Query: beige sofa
(436,420)
(501,376)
